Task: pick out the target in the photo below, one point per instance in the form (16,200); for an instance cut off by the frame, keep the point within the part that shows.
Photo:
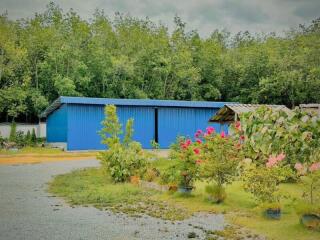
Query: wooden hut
(230,112)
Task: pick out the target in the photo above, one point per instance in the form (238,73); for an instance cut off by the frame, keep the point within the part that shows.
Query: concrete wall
(40,129)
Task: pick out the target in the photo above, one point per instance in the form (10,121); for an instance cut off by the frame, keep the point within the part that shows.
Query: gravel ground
(29,212)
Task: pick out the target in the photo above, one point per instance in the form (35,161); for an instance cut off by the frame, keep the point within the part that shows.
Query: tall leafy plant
(121,159)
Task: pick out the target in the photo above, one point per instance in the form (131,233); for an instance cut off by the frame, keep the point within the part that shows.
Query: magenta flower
(242,137)
(210,130)
(280,157)
(222,134)
(188,142)
(196,151)
(199,141)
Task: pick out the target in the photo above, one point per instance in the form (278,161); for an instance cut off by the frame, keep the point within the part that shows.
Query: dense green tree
(58,53)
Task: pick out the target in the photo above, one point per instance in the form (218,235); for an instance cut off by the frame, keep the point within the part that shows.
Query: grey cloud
(204,15)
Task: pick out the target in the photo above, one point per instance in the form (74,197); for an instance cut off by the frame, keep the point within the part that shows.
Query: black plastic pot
(311,221)
(273,213)
(186,190)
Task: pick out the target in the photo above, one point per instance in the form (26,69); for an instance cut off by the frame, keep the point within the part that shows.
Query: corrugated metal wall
(175,122)
(84,122)
(57,126)
(78,124)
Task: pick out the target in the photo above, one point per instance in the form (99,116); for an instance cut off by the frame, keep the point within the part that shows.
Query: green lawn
(32,150)
(92,186)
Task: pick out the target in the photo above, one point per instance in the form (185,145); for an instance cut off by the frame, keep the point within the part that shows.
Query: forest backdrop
(56,53)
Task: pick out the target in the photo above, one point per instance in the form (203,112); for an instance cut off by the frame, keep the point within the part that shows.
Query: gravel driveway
(27,211)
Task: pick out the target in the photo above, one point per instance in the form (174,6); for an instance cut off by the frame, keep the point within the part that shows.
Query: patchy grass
(93,187)
(31,150)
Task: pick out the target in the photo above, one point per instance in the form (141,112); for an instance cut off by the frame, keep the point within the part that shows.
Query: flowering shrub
(263,180)
(310,176)
(186,170)
(219,158)
(265,132)
(122,159)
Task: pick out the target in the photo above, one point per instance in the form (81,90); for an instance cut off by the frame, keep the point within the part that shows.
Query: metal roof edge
(129,102)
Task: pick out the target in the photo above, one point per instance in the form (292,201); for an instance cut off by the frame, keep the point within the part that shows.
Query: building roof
(129,102)
(228,111)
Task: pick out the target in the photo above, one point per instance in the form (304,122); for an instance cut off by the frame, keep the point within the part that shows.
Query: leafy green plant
(267,131)
(155,145)
(263,181)
(220,156)
(33,137)
(13,132)
(122,159)
(310,178)
(217,193)
(28,138)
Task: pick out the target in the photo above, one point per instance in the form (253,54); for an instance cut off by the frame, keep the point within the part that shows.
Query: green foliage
(28,140)
(33,137)
(263,182)
(13,132)
(270,131)
(59,53)
(217,193)
(154,144)
(221,159)
(121,159)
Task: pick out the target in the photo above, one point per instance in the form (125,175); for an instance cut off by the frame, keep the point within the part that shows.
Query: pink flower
(210,130)
(273,160)
(198,141)
(199,161)
(298,166)
(238,125)
(222,134)
(242,137)
(280,157)
(196,151)
(188,142)
(314,167)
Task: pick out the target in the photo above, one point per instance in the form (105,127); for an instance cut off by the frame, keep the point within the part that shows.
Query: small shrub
(28,138)
(122,159)
(217,193)
(20,139)
(151,174)
(33,137)
(263,181)
(13,132)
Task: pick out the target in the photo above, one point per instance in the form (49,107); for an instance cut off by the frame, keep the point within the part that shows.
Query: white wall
(40,129)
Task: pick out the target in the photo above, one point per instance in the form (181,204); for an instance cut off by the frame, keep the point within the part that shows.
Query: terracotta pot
(311,221)
(135,180)
(273,213)
(173,188)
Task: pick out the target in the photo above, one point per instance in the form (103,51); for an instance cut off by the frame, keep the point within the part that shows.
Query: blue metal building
(75,121)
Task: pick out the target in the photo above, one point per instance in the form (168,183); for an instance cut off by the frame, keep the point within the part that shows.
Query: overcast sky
(203,15)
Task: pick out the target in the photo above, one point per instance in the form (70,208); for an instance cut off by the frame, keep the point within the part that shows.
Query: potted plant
(263,182)
(188,166)
(310,210)
(220,154)
(272,210)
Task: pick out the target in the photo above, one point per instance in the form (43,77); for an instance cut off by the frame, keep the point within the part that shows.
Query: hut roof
(228,111)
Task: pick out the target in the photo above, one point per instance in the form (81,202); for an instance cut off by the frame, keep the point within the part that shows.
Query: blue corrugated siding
(84,122)
(57,125)
(143,122)
(175,122)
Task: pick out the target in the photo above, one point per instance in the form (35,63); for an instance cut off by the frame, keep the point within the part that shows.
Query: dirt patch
(12,160)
